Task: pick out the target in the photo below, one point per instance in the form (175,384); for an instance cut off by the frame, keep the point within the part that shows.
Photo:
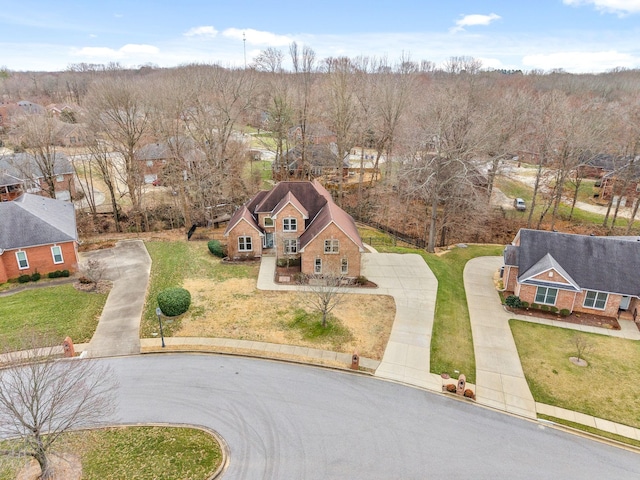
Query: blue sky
(576,35)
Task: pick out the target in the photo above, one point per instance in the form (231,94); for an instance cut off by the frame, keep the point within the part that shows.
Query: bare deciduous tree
(43,397)
(323,292)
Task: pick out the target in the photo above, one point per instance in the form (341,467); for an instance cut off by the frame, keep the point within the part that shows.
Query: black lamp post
(159,314)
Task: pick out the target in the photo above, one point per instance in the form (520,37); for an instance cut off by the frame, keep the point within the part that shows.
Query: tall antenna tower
(244,48)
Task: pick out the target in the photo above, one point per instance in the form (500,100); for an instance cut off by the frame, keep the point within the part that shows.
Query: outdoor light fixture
(159,314)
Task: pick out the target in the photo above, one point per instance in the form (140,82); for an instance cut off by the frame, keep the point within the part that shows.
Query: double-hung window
(331,246)
(23,263)
(290,246)
(597,300)
(56,253)
(344,266)
(244,244)
(317,267)
(546,295)
(289,224)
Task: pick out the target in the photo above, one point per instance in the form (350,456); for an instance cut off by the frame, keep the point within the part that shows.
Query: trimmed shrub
(24,278)
(361,280)
(525,304)
(565,312)
(469,393)
(216,248)
(553,309)
(35,277)
(55,274)
(174,301)
(513,301)
(544,308)
(535,305)
(64,273)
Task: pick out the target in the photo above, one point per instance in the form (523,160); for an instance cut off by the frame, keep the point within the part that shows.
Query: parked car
(519,204)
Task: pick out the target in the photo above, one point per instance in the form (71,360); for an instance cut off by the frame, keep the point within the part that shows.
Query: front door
(624,302)
(268,240)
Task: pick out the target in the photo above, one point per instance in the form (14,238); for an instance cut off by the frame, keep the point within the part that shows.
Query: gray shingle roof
(34,220)
(20,164)
(606,264)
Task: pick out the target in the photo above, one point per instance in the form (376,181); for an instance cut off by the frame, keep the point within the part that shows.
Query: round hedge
(216,248)
(174,301)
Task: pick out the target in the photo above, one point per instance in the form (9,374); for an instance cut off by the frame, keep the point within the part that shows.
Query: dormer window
(268,222)
(289,224)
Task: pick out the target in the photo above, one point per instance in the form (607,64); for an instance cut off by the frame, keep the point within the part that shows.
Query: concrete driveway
(500,381)
(128,266)
(413,286)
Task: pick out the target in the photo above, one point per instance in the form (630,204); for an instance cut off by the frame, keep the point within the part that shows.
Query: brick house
(297,220)
(580,273)
(38,234)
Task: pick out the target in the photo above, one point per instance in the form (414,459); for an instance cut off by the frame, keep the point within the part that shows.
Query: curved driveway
(284,421)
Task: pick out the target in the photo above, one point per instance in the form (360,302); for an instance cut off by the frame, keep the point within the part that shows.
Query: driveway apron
(128,266)
(408,279)
(500,381)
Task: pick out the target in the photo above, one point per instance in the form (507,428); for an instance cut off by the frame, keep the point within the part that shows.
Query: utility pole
(244,48)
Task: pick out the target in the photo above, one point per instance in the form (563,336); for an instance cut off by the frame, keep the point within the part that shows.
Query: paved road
(284,421)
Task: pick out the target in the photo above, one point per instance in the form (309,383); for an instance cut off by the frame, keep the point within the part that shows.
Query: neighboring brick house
(580,273)
(23,166)
(10,187)
(38,234)
(297,220)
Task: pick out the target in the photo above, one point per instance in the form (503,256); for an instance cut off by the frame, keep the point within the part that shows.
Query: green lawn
(172,262)
(451,343)
(55,312)
(606,388)
(140,453)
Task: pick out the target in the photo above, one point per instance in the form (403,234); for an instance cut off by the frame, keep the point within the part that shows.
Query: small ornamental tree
(174,301)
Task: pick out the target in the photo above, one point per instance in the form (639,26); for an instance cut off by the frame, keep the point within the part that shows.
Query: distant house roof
(606,264)
(21,165)
(32,220)
(165,150)
(322,155)
(7,179)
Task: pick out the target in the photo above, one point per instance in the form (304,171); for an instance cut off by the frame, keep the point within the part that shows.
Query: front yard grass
(141,453)
(55,312)
(607,388)
(227,304)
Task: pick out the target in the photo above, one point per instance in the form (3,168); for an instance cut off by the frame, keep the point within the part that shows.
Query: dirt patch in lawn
(236,309)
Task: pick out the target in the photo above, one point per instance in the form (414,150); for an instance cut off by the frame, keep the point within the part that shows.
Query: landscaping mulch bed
(576,318)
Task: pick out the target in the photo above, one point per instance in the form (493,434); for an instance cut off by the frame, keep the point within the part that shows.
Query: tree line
(437,136)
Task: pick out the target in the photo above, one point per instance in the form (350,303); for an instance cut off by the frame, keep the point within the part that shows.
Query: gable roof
(32,220)
(313,201)
(329,214)
(606,264)
(290,198)
(546,264)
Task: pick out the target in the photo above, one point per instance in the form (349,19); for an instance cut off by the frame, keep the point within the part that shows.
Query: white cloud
(204,31)
(580,62)
(475,19)
(256,37)
(621,7)
(125,52)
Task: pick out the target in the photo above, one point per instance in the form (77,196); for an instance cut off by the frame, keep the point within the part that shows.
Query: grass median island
(53,311)
(140,453)
(607,388)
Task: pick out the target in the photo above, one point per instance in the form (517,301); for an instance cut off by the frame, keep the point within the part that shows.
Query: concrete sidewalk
(128,266)
(408,279)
